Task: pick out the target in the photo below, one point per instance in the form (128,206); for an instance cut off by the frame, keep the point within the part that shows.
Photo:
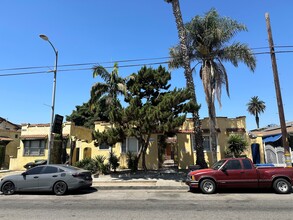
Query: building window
(34,147)
(206,143)
(104,146)
(130,145)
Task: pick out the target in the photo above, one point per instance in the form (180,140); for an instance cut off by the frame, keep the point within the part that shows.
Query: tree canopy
(255,106)
(209,43)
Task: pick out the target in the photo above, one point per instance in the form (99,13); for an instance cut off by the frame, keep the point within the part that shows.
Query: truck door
(231,174)
(249,176)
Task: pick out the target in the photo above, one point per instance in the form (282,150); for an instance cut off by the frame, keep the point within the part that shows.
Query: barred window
(34,147)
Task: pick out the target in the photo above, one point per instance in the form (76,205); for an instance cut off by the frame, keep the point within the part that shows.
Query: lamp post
(50,138)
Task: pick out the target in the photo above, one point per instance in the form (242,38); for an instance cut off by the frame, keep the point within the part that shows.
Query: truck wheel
(207,186)
(282,186)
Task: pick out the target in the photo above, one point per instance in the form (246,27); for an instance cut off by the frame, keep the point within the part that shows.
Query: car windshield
(218,164)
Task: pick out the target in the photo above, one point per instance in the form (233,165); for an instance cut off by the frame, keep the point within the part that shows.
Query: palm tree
(255,107)
(109,90)
(198,139)
(208,39)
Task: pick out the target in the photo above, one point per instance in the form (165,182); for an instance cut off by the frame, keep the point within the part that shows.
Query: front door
(31,179)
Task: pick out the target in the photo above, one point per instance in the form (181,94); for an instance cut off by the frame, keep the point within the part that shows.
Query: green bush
(113,161)
(132,161)
(95,165)
(236,145)
(87,164)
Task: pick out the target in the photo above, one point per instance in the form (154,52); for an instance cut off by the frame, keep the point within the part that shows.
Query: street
(147,204)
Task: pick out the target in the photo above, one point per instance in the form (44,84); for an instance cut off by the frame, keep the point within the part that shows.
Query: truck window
(233,165)
(247,164)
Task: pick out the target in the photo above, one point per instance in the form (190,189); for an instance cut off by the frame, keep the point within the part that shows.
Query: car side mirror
(24,174)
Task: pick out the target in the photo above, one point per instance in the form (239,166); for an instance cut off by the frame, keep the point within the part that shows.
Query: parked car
(34,164)
(240,173)
(52,177)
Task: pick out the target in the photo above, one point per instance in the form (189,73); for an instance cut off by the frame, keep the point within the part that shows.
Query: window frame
(126,143)
(204,149)
(27,148)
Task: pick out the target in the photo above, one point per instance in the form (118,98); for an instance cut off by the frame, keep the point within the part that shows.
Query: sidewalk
(152,179)
(161,179)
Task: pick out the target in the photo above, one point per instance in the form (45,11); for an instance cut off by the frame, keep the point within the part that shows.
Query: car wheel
(60,188)
(282,186)
(8,188)
(207,186)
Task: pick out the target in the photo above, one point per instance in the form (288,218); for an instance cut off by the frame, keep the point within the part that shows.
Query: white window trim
(194,150)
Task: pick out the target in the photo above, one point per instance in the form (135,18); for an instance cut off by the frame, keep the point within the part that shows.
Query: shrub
(236,145)
(95,165)
(87,164)
(132,161)
(113,161)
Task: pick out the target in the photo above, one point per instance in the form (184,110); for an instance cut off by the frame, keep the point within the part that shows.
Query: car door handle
(54,176)
(36,177)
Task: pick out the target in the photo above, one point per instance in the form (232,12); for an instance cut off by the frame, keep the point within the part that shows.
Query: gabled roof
(15,125)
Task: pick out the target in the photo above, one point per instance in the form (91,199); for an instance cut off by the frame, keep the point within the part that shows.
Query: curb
(177,188)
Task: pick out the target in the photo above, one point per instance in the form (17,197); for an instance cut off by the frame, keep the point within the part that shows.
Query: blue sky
(99,31)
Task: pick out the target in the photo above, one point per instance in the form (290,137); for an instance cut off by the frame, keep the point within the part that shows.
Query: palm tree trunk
(210,97)
(257,119)
(213,131)
(198,139)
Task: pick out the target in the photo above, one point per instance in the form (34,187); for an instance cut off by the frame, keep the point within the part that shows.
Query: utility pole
(278,94)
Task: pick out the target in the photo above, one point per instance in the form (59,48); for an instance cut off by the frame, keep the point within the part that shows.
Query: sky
(134,33)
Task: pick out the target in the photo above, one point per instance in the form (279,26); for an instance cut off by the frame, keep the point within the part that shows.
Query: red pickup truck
(240,173)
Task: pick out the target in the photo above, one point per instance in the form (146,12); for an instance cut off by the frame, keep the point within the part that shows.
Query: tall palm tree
(198,139)
(110,89)
(255,107)
(208,43)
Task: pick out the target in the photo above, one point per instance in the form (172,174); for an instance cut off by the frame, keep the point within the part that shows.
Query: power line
(80,69)
(117,61)
(85,64)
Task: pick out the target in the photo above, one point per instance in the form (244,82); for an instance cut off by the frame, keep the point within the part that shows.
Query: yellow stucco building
(9,142)
(180,150)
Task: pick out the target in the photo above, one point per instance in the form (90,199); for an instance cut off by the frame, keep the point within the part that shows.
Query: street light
(50,138)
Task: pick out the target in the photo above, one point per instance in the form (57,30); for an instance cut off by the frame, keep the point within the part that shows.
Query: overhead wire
(117,61)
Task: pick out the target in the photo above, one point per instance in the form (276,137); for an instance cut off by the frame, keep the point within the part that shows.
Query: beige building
(269,141)
(34,143)
(180,149)
(9,141)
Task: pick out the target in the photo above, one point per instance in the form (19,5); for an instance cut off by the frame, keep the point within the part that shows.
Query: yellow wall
(11,147)
(186,155)
(80,134)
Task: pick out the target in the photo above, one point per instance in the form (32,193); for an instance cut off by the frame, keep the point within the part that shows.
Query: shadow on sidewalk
(163,174)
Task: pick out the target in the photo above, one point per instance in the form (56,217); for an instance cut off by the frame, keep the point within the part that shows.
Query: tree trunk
(198,139)
(257,120)
(213,131)
(210,100)
(72,147)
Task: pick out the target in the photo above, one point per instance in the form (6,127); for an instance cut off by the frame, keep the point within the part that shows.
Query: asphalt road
(147,204)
